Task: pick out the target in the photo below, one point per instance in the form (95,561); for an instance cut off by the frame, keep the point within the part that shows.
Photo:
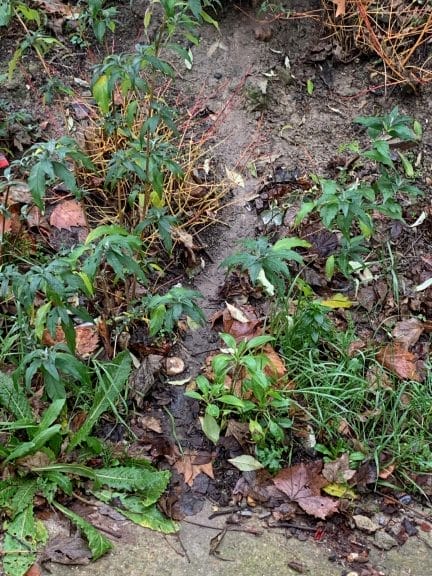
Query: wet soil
(253,87)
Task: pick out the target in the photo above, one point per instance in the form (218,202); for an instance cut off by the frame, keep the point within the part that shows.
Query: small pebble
(217,75)
(263,32)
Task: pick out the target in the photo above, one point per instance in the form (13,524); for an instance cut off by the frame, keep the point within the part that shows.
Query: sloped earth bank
(266,119)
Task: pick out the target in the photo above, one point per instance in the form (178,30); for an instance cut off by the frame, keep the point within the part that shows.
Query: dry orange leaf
(68,214)
(191,464)
(33,570)
(87,339)
(276,366)
(340,7)
(396,358)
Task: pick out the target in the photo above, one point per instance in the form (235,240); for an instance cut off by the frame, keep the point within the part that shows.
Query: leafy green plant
(95,15)
(241,387)
(37,38)
(349,207)
(158,220)
(166,310)
(52,162)
(266,263)
(34,453)
(393,124)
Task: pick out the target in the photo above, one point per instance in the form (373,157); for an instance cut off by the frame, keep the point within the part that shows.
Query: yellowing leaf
(340,491)
(337,301)
(235,178)
(101,93)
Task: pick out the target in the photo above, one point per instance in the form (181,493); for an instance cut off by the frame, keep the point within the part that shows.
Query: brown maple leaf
(302,483)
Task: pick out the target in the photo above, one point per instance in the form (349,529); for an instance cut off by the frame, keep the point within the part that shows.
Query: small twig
(224,512)
(253,531)
(294,526)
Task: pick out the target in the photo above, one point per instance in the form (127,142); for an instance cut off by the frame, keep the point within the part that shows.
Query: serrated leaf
(98,544)
(151,518)
(19,544)
(14,399)
(245,463)
(150,483)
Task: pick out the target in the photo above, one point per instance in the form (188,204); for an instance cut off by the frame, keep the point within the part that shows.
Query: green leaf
(51,414)
(14,399)
(150,483)
(288,243)
(108,390)
(408,167)
(98,544)
(246,463)
(152,518)
(37,185)
(101,93)
(210,427)
(106,230)
(19,544)
(157,318)
(310,87)
(330,267)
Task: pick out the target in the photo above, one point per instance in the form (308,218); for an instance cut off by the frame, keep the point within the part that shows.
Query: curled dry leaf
(190,464)
(396,358)
(87,339)
(68,214)
(245,328)
(408,332)
(302,483)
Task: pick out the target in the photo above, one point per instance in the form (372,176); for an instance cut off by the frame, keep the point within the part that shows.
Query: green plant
(393,125)
(166,310)
(158,220)
(33,453)
(349,206)
(95,15)
(52,162)
(37,39)
(241,387)
(266,263)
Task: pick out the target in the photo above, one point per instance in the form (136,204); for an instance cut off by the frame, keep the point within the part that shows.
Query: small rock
(217,75)
(366,524)
(263,32)
(384,541)
(174,366)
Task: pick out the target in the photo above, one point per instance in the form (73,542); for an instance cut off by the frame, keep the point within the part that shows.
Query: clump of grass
(352,403)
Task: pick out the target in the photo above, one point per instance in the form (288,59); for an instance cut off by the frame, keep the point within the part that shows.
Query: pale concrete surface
(147,553)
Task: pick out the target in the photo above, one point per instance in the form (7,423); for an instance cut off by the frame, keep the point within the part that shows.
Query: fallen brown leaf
(302,483)
(151,423)
(338,470)
(396,358)
(276,366)
(340,7)
(190,464)
(87,339)
(68,214)
(33,570)
(242,330)
(408,332)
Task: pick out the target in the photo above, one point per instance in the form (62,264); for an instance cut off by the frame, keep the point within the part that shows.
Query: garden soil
(277,100)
